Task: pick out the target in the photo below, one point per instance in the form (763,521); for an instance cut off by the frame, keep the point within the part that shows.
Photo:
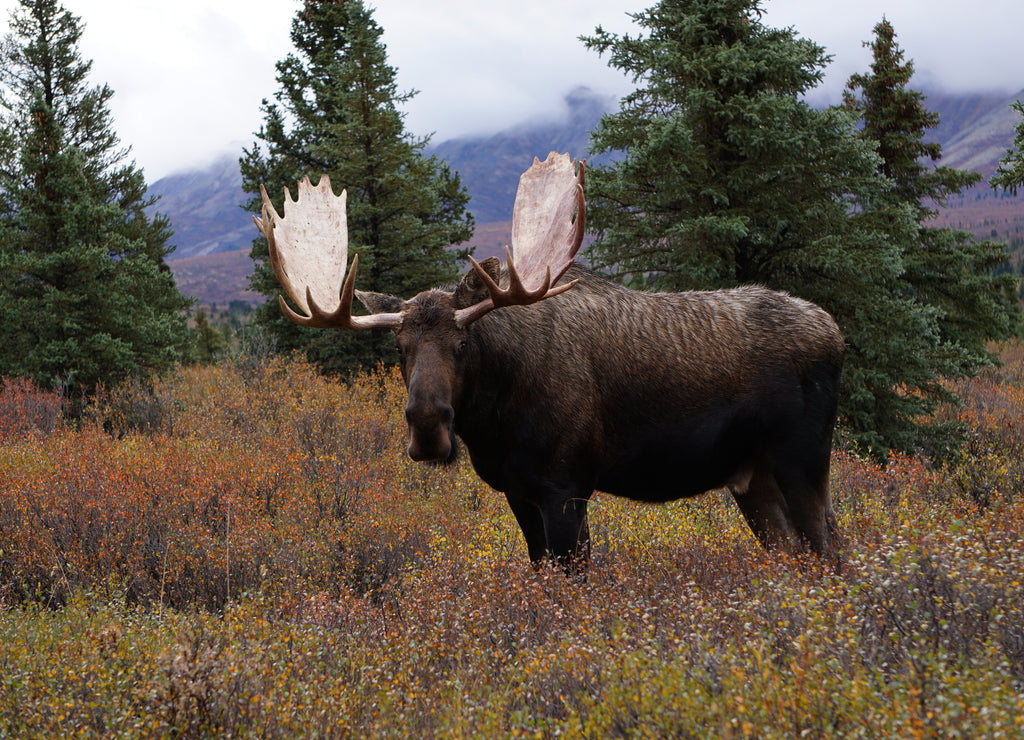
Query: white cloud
(189,76)
(955,45)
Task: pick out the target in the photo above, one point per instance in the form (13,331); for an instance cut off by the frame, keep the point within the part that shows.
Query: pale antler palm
(309,248)
(548,222)
(309,252)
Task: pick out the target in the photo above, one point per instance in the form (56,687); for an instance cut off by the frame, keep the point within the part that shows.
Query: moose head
(309,253)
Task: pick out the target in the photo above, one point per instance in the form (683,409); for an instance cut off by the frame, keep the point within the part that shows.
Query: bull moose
(560,382)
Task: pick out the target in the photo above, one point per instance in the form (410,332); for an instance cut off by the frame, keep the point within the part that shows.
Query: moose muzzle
(430,431)
(429,411)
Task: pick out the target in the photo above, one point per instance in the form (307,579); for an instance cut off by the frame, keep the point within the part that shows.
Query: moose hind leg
(764,506)
(802,460)
(810,508)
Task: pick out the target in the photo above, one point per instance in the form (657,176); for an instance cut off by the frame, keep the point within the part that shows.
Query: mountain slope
(490,166)
(204,206)
(983,138)
(205,209)
(979,146)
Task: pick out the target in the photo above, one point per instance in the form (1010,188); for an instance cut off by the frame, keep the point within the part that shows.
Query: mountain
(204,206)
(205,209)
(961,112)
(975,130)
(979,145)
(490,166)
(220,278)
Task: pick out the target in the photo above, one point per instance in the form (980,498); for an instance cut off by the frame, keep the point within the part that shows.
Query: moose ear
(379,302)
(472,289)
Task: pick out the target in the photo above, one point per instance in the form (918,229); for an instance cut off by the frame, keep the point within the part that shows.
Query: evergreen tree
(727,176)
(1010,173)
(210,342)
(84,291)
(945,269)
(336,114)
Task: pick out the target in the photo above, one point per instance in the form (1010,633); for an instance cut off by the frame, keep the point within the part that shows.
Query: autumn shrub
(243,479)
(26,409)
(989,467)
(132,406)
(266,563)
(920,636)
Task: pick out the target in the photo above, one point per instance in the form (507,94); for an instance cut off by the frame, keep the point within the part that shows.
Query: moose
(560,382)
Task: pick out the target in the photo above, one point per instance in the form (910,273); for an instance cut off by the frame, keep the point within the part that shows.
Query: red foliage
(26,409)
(274,474)
(220,480)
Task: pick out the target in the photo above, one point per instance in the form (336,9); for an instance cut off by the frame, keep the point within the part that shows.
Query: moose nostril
(430,431)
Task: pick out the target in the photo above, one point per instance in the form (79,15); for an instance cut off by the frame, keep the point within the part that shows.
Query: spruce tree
(946,269)
(210,342)
(86,296)
(1010,173)
(336,113)
(726,176)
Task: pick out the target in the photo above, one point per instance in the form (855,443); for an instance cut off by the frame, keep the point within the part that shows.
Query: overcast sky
(189,75)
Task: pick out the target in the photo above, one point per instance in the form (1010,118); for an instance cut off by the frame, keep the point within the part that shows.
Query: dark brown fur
(649,396)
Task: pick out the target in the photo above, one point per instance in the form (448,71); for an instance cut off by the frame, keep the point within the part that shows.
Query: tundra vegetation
(245,550)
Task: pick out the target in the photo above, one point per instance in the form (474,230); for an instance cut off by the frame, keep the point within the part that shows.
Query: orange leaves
(327,586)
(215,481)
(26,410)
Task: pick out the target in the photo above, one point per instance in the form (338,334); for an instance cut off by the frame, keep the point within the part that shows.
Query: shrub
(266,563)
(27,410)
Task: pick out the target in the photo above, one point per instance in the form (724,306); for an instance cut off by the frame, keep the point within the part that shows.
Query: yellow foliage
(244,550)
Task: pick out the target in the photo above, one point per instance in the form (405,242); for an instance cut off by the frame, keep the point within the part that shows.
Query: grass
(244,551)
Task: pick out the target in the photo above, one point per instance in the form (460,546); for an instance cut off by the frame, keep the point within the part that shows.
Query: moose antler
(547,230)
(309,253)
(309,248)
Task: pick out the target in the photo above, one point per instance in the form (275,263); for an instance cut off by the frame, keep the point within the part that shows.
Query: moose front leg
(556,529)
(531,523)
(567,531)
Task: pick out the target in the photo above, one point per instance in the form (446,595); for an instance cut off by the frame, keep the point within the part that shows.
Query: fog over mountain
(204,205)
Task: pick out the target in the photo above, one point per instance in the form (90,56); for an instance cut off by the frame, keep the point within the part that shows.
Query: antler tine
(309,251)
(547,230)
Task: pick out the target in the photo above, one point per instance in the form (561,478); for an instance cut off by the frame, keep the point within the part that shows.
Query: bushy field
(244,551)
